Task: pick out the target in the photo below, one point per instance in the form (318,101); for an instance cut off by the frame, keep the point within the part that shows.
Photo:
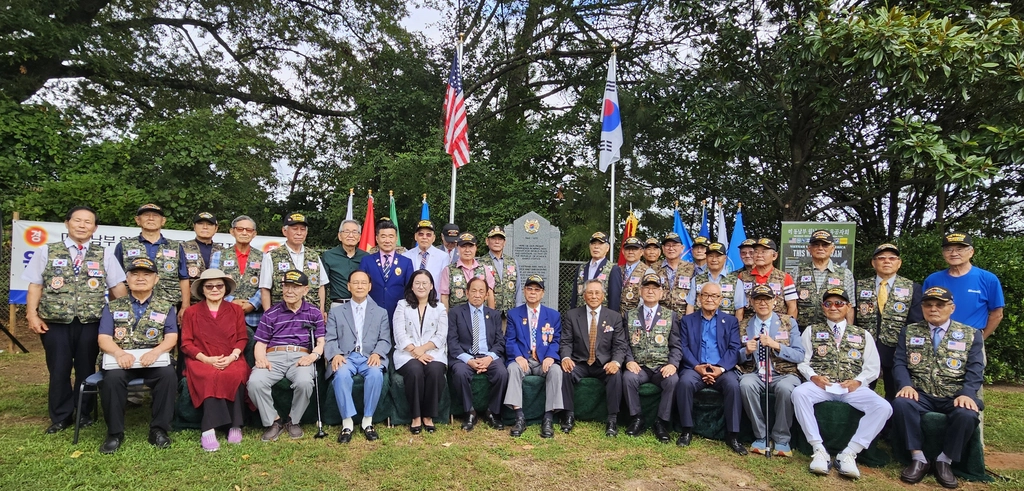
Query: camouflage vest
(650,348)
(778,364)
(146,332)
(246,285)
(894,315)
(938,372)
(168,288)
(842,363)
(676,287)
(281,261)
(631,288)
(728,284)
(194,259)
(458,283)
(602,275)
(67,295)
(505,286)
(809,309)
(776,280)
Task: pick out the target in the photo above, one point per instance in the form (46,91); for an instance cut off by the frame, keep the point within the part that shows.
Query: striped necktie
(423,260)
(387,266)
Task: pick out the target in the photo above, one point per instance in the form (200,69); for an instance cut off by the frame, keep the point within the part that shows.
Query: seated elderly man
(283,350)
(137,331)
(939,367)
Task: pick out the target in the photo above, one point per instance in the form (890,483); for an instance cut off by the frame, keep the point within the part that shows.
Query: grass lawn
(449,459)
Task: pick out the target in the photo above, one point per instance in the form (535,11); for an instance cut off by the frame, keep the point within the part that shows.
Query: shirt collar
(944,326)
(475,264)
(888,283)
(841,324)
(143,302)
(598,310)
(496,258)
(71,244)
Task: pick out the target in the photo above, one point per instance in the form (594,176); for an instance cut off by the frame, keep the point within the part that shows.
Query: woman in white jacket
(421,349)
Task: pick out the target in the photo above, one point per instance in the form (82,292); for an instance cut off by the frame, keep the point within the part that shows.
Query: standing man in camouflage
(67,281)
(747,254)
(652,253)
(503,267)
(165,253)
(201,253)
(676,275)
(632,273)
(342,260)
(653,356)
(820,275)
(774,337)
(454,284)
(699,252)
(764,272)
(293,254)
(243,264)
(715,273)
(601,269)
(885,305)
(939,368)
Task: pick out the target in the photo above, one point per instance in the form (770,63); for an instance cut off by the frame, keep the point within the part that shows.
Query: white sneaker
(820,462)
(847,465)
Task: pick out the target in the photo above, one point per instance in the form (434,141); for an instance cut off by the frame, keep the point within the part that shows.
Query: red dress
(201,333)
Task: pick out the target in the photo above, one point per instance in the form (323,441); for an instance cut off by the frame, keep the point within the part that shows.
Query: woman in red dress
(213,335)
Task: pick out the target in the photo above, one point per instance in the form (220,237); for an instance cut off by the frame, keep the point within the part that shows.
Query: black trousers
(497,376)
(68,346)
(222,412)
(114,396)
(612,385)
(423,386)
(960,422)
(728,384)
(887,356)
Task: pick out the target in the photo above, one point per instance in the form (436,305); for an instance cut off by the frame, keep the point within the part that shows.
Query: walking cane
(766,361)
(320,433)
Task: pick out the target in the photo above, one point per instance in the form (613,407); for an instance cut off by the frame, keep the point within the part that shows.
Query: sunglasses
(244,230)
(211,286)
(834,303)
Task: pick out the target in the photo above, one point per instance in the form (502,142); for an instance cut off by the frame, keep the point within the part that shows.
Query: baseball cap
(835,292)
(633,242)
(822,235)
(762,291)
(150,207)
(886,247)
(599,237)
(424,224)
(534,279)
(717,248)
(496,231)
(450,232)
(956,238)
(204,216)
(766,242)
(937,293)
(466,239)
(295,219)
(295,277)
(141,263)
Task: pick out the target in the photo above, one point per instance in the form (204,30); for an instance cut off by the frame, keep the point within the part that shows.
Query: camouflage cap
(716,248)
(835,292)
(937,293)
(534,279)
(141,263)
(295,277)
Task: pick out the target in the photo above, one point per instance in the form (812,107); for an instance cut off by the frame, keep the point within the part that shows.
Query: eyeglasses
(710,296)
(763,300)
(212,286)
(244,230)
(834,303)
(349,232)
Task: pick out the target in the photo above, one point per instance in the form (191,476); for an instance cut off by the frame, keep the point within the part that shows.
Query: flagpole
(611,214)
(455,170)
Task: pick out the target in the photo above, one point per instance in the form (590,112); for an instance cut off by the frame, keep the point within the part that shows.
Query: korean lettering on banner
(796,235)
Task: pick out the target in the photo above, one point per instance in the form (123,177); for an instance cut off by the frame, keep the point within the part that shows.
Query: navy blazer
(388,294)
(460,332)
(517,333)
(614,293)
(690,327)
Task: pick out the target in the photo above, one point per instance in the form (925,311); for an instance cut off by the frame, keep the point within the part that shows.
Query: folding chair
(93,381)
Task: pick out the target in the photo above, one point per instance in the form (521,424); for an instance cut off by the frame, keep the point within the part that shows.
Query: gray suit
(341,340)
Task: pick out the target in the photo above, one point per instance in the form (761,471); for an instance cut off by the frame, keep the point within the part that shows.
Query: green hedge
(1005,258)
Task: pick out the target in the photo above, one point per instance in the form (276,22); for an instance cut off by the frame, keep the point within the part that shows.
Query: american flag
(456,142)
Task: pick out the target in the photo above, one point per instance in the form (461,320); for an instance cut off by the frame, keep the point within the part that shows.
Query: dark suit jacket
(341,333)
(460,332)
(690,327)
(388,294)
(614,292)
(611,337)
(675,350)
(517,333)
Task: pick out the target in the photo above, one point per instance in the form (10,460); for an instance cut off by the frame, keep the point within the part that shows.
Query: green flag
(394,217)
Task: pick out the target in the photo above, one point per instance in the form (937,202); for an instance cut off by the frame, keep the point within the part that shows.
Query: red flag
(628,231)
(368,240)
(456,141)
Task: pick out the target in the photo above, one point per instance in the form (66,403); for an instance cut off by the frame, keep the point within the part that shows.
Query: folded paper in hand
(110,361)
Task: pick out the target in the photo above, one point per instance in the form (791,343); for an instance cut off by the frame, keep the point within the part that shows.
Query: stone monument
(535,244)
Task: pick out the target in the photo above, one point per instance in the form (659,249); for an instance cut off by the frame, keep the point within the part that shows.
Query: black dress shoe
(519,427)
(611,428)
(371,434)
(944,475)
(85,421)
(430,428)
(636,426)
(684,439)
(494,421)
(470,422)
(60,426)
(112,443)
(159,438)
(568,422)
(735,445)
(416,430)
(660,432)
(547,429)
(345,436)
(915,472)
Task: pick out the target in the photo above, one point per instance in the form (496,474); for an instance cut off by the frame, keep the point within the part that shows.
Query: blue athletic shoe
(760,446)
(783,450)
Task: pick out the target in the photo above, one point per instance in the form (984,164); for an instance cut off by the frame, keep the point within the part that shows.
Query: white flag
(348,214)
(722,234)
(611,122)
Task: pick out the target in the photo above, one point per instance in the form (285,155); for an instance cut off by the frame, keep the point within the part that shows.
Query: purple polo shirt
(279,326)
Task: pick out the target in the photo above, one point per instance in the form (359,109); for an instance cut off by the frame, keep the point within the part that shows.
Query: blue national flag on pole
(679,229)
(425,210)
(733,261)
(704,230)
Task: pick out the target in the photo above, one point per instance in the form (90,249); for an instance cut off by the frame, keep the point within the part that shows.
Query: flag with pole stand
(611,139)
(348,212)
(722,234)
(704,230)
(733,261)
(684,235)
(456,135)
(628,231)
(394,217)
(368,239)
